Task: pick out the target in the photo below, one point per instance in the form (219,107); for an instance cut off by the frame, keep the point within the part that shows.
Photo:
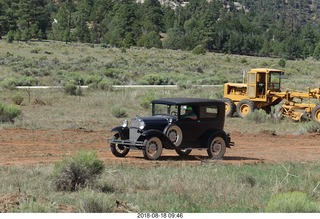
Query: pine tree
(63,23)
(122,24)
(153,16)
(82,19)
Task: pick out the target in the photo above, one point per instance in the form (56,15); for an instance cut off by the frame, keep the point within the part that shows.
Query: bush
(32,206)
(106,85)
(309,127)
(8,113)
(96,203)
(292,202)
(118,112)
(146,100)
(75,172)
(185,84)
(155,79)
(199,50)
(72,89)
(12,82)
(282,63)
(149,40)
(258,116)
(17,98)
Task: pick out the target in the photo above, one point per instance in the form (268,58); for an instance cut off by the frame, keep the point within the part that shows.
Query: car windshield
(163,109)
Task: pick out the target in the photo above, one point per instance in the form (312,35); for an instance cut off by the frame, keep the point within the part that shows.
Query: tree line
(274,28)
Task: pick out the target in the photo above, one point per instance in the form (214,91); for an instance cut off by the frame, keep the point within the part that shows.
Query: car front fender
(123,132)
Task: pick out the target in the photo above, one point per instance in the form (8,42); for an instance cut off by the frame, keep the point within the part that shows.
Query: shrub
(12,82)
(292,202)
(258,116)
(146,100)
(72,89)
(309,127)
(32,206)
(155,79)
(243,60)
(10,36)
(118,112)
(149,40)
(185,84)
(199,50)
(17,98)
(8,113)
(105,84)
(96,203)
(282,63)
(75,172)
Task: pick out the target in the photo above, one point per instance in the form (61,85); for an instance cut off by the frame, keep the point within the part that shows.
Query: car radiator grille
(133,133)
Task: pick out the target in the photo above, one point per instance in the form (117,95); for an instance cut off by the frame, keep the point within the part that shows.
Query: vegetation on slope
(286,29)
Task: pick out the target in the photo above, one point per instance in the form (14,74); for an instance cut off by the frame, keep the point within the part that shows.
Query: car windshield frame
(164,109)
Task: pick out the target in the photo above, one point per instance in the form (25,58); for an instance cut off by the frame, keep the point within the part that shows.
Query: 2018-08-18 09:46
(160,215)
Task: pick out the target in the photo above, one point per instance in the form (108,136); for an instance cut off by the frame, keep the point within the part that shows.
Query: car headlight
(125,123)
(142,125)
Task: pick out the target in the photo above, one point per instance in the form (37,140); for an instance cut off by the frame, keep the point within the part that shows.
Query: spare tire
(174,133)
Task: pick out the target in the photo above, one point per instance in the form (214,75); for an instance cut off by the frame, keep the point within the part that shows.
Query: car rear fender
(156,133)
(210,134)
(123,132)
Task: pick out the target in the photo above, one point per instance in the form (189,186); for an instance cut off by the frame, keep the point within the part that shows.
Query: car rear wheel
(183,152)
(118,150)
(217,148)
(153,148)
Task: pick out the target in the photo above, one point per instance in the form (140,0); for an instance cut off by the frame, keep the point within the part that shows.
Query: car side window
(188,112)
(208,112)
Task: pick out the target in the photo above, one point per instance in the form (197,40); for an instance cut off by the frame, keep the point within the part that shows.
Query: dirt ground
(41,147)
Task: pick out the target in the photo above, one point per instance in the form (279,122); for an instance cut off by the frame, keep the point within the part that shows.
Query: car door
(188,126)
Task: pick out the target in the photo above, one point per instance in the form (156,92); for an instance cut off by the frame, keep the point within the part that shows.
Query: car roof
(187,101)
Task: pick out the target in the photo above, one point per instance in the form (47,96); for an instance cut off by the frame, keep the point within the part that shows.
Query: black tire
(230,107)
(174,134)
(315,113)
(118,150)
(153,148)
(216,147)
(245,107)
(183,152)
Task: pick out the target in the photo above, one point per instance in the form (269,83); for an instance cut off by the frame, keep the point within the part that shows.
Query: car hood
(157,122)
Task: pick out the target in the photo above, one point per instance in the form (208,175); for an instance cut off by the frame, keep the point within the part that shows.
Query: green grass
(202,188)
(57,63)
(102,110)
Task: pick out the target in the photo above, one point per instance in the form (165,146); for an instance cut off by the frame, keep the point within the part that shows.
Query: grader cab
(261,89)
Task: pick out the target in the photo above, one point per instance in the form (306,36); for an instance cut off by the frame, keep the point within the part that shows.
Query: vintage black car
(170,128)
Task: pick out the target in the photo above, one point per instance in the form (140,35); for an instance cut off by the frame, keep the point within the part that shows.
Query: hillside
(270,28)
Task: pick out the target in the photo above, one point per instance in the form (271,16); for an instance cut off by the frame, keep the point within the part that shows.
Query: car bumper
(128,143)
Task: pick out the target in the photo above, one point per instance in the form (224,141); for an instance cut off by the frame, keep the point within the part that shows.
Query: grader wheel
(316,113)
(245,107)
(230,107)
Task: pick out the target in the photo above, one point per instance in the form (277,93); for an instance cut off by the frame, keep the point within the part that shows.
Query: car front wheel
(217,148)
(118,150)
(153,148)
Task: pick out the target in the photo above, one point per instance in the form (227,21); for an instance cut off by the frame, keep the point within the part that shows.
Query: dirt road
(38,147)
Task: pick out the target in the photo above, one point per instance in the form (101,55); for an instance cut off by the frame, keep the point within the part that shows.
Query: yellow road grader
(262,90)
